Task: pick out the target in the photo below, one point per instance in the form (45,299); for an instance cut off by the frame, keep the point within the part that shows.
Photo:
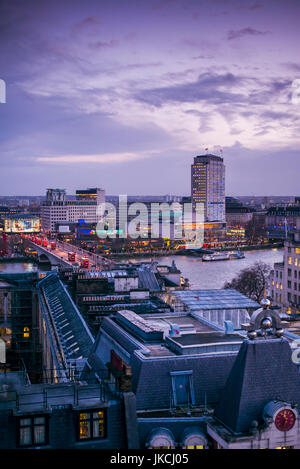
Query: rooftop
(197,300)
(172,334)
(69,331)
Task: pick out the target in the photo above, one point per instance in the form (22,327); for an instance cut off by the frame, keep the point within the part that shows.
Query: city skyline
(115,96)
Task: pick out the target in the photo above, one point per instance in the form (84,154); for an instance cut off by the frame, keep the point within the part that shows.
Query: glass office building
(208,186)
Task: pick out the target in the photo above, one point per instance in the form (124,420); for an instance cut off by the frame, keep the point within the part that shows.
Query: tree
(252,281)
(255,230)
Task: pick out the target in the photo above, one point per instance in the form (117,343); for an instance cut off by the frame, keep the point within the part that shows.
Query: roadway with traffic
(82,258)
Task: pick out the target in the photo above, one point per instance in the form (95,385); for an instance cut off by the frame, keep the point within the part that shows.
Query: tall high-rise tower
(208,186)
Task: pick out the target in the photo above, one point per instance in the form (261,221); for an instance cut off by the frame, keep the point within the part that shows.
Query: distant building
(281,220)
(208,186)
(56,209)
(22,223)
(237,215)
(96,195)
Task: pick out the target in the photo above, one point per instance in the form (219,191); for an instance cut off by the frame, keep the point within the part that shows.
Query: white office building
(56,209)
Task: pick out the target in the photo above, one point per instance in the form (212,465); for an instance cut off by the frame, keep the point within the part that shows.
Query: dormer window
(182,388)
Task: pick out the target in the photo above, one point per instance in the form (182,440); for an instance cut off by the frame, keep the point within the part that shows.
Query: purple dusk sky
(122,94)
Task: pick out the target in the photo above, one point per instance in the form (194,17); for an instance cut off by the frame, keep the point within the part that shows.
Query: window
(182,386)
(92,425)
(33,431)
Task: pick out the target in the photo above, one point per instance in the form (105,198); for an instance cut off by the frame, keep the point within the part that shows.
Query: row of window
(289,285)
(296,261)
(34,430)
(296,285)
(296,250)
(295,273)
(293,298)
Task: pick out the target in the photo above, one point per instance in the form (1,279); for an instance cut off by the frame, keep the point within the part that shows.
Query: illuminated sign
(64,229)
(22,225)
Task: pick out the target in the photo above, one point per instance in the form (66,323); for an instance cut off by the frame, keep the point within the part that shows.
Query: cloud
(255,6)
(104,158)
(237,34)
(292,66)
(208,87)
(88,22)
(103,44)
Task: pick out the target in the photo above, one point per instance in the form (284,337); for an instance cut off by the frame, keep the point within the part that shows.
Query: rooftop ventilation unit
(174,331)
(229,329)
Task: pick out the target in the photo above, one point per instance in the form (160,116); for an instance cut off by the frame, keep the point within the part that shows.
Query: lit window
(32,431)
(91,425)
(161,447)
(195,447)
(26,332)
(284,447)
(289,260)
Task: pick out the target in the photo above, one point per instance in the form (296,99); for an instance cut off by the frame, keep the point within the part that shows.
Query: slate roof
(263,371)
(152,383)
(69,327)
(148,280)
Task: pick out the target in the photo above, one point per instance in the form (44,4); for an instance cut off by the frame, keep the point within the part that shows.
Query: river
(206,275)
(17,267)
(201,275)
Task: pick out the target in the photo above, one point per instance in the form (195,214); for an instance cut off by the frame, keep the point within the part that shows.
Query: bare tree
(252,281)
(255,230)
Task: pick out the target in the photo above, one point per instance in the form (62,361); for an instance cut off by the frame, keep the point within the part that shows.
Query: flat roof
(196,336)
(207,338)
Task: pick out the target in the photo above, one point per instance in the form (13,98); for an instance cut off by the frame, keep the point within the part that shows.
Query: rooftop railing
(42,397)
